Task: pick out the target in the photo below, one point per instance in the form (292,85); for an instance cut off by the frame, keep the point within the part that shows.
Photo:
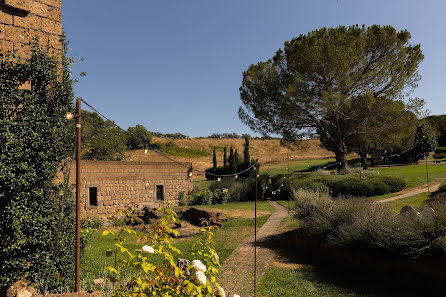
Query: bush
(345,185)
(441,189)
(361,223)
(34,140)
(91,223)
(440,150)
(238,189)
(207,197)
(439,156)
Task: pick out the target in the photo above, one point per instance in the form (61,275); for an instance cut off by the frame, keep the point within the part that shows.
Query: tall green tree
(246,157)
(424,143)
(225,161)
(138,137)
(325,83)
(101,140)
(214,159)
(390,133)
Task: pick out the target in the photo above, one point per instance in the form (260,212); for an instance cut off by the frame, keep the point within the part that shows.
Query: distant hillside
(268,151)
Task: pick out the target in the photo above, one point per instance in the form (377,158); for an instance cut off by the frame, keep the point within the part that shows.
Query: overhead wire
(171,159)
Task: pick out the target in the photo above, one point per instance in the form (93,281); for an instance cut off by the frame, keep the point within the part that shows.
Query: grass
(414,201)
(286,203)
(308,281)
(299,165)
(202,184)
(415,175)
(287,224)
(234,231)
(249,205)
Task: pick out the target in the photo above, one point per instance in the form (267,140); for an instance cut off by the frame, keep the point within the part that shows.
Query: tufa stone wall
(120,183)
(22,20)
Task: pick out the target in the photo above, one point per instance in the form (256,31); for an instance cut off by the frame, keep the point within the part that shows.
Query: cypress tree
(224,158)
(231,159)
(214,160)
(246,150)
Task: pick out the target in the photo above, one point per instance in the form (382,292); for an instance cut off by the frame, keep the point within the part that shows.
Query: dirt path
(410,193)
(238,270)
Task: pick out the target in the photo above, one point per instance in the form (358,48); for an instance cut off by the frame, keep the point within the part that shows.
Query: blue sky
(176,65)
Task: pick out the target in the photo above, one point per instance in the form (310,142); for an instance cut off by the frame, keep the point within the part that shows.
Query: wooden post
(78,194)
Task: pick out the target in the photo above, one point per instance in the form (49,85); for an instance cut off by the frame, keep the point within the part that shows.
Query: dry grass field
(268,151)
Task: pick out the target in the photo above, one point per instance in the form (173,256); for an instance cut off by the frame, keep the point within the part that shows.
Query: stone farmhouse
(110,185)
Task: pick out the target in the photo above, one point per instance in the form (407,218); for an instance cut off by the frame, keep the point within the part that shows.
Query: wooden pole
(78,194)
(255,234)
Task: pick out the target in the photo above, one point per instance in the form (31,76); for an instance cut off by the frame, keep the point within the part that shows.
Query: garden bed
(424,274)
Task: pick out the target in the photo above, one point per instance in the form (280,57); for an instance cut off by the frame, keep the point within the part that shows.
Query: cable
(170,159)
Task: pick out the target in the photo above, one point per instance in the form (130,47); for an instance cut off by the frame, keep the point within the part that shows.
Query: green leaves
(167,279)
(326,83)
(34,141)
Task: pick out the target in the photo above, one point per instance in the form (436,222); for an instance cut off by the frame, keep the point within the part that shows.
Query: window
(159,192)
(93,196)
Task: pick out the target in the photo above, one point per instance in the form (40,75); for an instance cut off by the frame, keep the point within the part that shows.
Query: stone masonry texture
(23,20)
(121,183)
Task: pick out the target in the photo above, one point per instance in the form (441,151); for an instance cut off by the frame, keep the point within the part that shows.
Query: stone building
(22,20)
(110,185)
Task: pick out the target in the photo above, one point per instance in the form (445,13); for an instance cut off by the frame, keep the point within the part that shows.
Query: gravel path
(413,192)
(237,273)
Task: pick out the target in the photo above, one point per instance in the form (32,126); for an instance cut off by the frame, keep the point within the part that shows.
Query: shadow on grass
(357,283)
(330,166)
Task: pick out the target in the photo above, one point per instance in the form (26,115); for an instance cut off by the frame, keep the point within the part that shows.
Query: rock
(98,281)
(196,216)
(183,264)
(409,211)
(23,293)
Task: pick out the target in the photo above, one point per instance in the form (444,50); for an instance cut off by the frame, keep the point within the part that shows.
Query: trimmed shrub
(439,156)
(440,150)
(347,185)
(396,184)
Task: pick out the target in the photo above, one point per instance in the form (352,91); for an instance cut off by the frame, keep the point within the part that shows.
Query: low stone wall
(425,274)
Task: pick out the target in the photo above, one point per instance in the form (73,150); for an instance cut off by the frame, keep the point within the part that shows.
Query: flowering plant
(167,279)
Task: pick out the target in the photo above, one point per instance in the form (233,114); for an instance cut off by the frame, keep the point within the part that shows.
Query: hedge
(440,150)
(346,185)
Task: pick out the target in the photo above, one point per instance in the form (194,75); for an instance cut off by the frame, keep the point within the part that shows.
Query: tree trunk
(372,159)
(363,160)
(341,160)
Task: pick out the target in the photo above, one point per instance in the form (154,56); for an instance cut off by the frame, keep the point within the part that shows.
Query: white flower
(198,265)
(148,249)
(200,277)
(221,292)
(235,295)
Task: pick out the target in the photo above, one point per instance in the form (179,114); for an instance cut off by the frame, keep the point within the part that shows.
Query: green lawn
(308,281)
(299,165)
(227,239)
(261,206)
(414,201)
(415,175)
